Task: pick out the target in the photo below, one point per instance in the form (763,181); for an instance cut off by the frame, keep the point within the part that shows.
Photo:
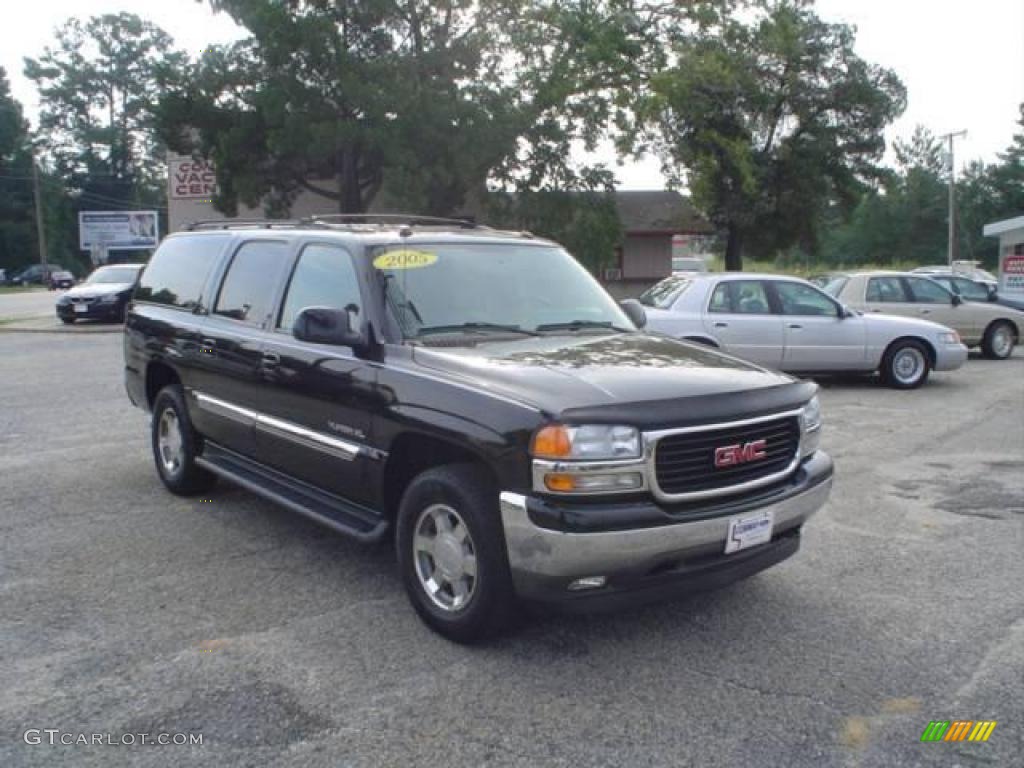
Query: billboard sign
(117,230)
(192,179)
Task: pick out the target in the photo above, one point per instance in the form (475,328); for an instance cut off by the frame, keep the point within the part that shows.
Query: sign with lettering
(117,230)
(192,179)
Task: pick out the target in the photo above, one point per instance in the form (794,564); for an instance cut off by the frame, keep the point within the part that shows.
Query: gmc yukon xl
(477,396)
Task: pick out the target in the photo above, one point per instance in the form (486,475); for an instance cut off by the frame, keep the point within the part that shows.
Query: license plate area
(83,308)
(749,531)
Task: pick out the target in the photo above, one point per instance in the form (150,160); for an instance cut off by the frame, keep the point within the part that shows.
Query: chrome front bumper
(545,562)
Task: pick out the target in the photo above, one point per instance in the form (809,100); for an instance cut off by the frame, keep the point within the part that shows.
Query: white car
(789,324)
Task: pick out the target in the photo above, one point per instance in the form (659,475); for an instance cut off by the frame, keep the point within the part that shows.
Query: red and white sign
(1011,275)
(192,179)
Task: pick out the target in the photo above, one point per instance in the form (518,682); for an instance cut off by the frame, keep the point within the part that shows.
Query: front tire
(451,553)
(999,341)
(176,444)
(68,320)
(905,365)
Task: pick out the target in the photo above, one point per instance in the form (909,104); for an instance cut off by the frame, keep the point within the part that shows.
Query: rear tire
(905,365)
(176,444)
(999,340)
(451,553)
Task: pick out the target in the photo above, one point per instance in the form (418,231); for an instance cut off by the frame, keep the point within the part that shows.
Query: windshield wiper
(576,325)
(475,327)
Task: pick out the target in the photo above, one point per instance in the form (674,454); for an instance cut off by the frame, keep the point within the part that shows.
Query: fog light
(566,483)
(590,582)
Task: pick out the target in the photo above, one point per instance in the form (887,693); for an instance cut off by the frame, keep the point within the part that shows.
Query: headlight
(109,298)
(810,416)
(810,427)
(949,338)
(590,442)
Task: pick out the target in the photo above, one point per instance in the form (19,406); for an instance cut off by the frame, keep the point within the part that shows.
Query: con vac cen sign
(192,179)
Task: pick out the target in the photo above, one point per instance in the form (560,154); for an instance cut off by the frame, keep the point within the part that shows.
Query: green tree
(769,117)
(17,232)
(428,102)
(97,87)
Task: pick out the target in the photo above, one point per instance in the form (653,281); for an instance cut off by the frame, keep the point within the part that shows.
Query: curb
(14,327)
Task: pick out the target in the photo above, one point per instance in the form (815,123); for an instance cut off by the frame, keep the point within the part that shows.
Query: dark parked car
(973,290)
(479,397)
(61,280)
(35,274)
(102,296)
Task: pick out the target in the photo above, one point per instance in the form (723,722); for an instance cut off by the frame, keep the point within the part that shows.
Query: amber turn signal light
(552,442)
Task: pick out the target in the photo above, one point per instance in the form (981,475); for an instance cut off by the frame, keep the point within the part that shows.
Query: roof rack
(408,219)
(244,224)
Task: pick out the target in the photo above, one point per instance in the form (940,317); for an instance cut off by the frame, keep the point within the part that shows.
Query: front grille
(685,463)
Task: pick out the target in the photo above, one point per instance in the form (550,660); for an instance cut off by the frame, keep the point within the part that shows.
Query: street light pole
(952,193)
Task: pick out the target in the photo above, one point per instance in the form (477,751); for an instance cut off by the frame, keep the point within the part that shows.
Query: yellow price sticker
(404,260)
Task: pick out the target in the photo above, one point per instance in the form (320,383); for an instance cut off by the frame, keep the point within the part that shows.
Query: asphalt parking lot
(124,609)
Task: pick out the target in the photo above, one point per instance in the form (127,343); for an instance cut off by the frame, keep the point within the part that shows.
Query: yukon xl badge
(731,455)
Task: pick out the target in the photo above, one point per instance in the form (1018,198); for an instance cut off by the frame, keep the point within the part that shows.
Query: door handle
(876,310)
(721,325)
(795,327)
(271,359)
(926,311)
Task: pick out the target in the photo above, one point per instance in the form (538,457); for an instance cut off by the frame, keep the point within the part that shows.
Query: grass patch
(21,289)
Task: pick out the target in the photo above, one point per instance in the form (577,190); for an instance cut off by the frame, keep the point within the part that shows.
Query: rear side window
(324,277)
(886,289)
(741,297)
(178,270)
(248,288)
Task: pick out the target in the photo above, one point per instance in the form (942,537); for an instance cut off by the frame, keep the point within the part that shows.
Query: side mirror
(324,325)
(635,311)
(957,301)
(993,292)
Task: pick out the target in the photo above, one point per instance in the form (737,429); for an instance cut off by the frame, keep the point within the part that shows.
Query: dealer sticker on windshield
(749,531)
(404,259)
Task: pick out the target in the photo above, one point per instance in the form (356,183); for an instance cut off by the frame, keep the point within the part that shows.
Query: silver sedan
(789,324)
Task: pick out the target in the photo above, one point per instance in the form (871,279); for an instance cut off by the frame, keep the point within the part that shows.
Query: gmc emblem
(731,455)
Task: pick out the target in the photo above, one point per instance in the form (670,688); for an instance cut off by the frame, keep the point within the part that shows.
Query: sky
(962,61)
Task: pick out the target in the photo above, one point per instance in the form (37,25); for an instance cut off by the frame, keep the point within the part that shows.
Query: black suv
(477,395)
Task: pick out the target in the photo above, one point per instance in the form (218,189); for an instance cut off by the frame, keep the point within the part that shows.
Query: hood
(560,373)
(886,323)
(89,290)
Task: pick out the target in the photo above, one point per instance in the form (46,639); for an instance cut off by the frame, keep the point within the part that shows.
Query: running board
(338,514)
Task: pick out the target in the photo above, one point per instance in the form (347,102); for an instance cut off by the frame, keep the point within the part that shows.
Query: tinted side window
(740,297)
(248,287)
(720,299)
(798,299)
(324,277)
(178,270)
(928,291)
(970,290)
(886,289)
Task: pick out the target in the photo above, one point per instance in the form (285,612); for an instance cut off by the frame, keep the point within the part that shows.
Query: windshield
(113,275)
(833,286)
(492,288)
(664,294)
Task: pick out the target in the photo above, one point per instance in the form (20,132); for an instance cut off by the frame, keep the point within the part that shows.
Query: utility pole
(40,223)
(952,193)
